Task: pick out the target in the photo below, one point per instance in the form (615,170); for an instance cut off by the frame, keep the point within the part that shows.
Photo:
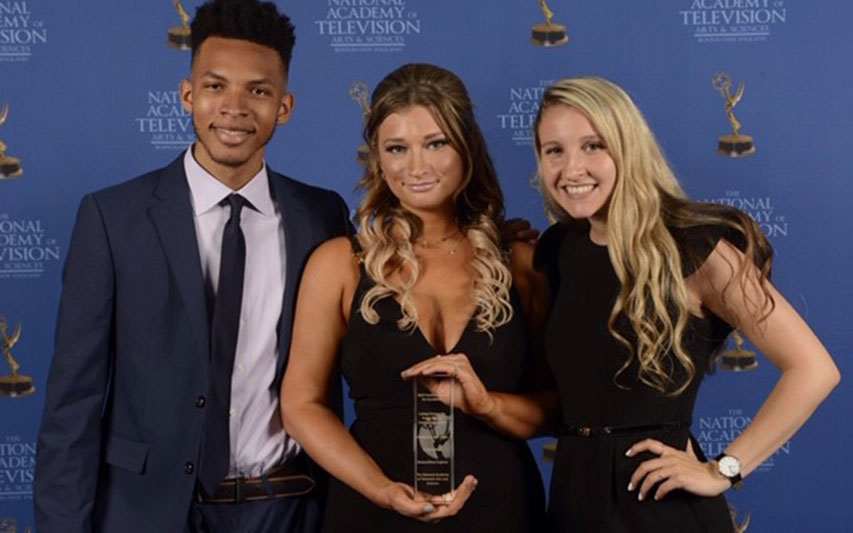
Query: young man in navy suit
(173,280)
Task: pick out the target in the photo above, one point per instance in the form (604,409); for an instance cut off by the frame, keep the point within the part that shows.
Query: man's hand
(518,229)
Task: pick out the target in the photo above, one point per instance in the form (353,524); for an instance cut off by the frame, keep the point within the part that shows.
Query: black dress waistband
(585,431)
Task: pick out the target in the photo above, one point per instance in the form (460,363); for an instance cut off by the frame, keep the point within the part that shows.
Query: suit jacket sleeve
(69,441)
(348,228)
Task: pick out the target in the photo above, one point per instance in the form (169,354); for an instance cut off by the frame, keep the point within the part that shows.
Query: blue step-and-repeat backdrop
(91,88)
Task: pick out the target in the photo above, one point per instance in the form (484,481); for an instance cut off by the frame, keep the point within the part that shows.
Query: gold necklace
(425,243)
(436,245)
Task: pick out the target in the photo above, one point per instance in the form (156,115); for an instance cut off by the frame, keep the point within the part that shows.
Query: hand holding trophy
(548,34)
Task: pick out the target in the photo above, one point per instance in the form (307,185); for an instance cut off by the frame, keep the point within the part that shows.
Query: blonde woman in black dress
(425,276)
(646,287)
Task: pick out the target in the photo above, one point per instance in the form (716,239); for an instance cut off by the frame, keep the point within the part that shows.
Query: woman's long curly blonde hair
(387,230)
(646,204)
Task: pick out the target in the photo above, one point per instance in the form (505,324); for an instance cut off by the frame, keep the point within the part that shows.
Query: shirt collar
(206,191)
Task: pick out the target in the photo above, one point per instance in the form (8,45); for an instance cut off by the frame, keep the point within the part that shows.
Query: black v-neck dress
(589,484)
(509,497)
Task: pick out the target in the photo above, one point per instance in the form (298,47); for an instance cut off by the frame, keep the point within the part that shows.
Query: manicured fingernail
(428,508)
(640,496)
(630,487)
(657,497)
(629,452)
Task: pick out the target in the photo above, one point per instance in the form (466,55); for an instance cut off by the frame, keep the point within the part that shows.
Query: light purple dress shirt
(258,442)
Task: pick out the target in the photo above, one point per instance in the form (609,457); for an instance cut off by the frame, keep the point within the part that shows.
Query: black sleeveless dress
(589,484)
(509,497)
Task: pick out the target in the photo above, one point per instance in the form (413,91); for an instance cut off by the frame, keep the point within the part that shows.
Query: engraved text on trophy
(433,442)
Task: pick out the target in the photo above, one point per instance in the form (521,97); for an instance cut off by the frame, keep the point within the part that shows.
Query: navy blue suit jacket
(122,427)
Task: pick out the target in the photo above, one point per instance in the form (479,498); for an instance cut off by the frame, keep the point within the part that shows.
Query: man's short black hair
(247,20)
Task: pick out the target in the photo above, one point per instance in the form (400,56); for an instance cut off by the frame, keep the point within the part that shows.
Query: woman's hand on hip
(673,469)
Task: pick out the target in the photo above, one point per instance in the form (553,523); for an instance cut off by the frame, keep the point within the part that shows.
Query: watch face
(729,466)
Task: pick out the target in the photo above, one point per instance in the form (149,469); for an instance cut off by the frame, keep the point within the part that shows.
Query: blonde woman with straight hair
(646,286)
(425,276)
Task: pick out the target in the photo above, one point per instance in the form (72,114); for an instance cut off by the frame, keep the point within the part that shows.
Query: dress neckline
(422,335)
(588,238)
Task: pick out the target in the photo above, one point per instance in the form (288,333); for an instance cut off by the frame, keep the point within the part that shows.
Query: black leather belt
(293,478)
(585,431)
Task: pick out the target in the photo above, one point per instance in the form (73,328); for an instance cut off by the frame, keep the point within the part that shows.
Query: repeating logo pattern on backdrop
(368,25)
(164,123)
(9,524)
(734,144)
(360,93)
(20,33)
(10,167)
(26,249)
(17,468)
(716,432)
(761,208)
(180,37)
(521,111)
(15,384)
(727,21)
(548,34)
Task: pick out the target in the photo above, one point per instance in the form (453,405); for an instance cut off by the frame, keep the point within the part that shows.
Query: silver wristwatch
(729,467)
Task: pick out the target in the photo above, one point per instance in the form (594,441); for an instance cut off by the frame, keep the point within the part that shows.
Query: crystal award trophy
(433,441)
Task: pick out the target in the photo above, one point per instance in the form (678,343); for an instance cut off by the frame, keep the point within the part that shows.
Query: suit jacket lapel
(295,218)
(173,218)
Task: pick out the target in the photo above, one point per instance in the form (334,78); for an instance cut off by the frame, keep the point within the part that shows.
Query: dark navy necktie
(215,456)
